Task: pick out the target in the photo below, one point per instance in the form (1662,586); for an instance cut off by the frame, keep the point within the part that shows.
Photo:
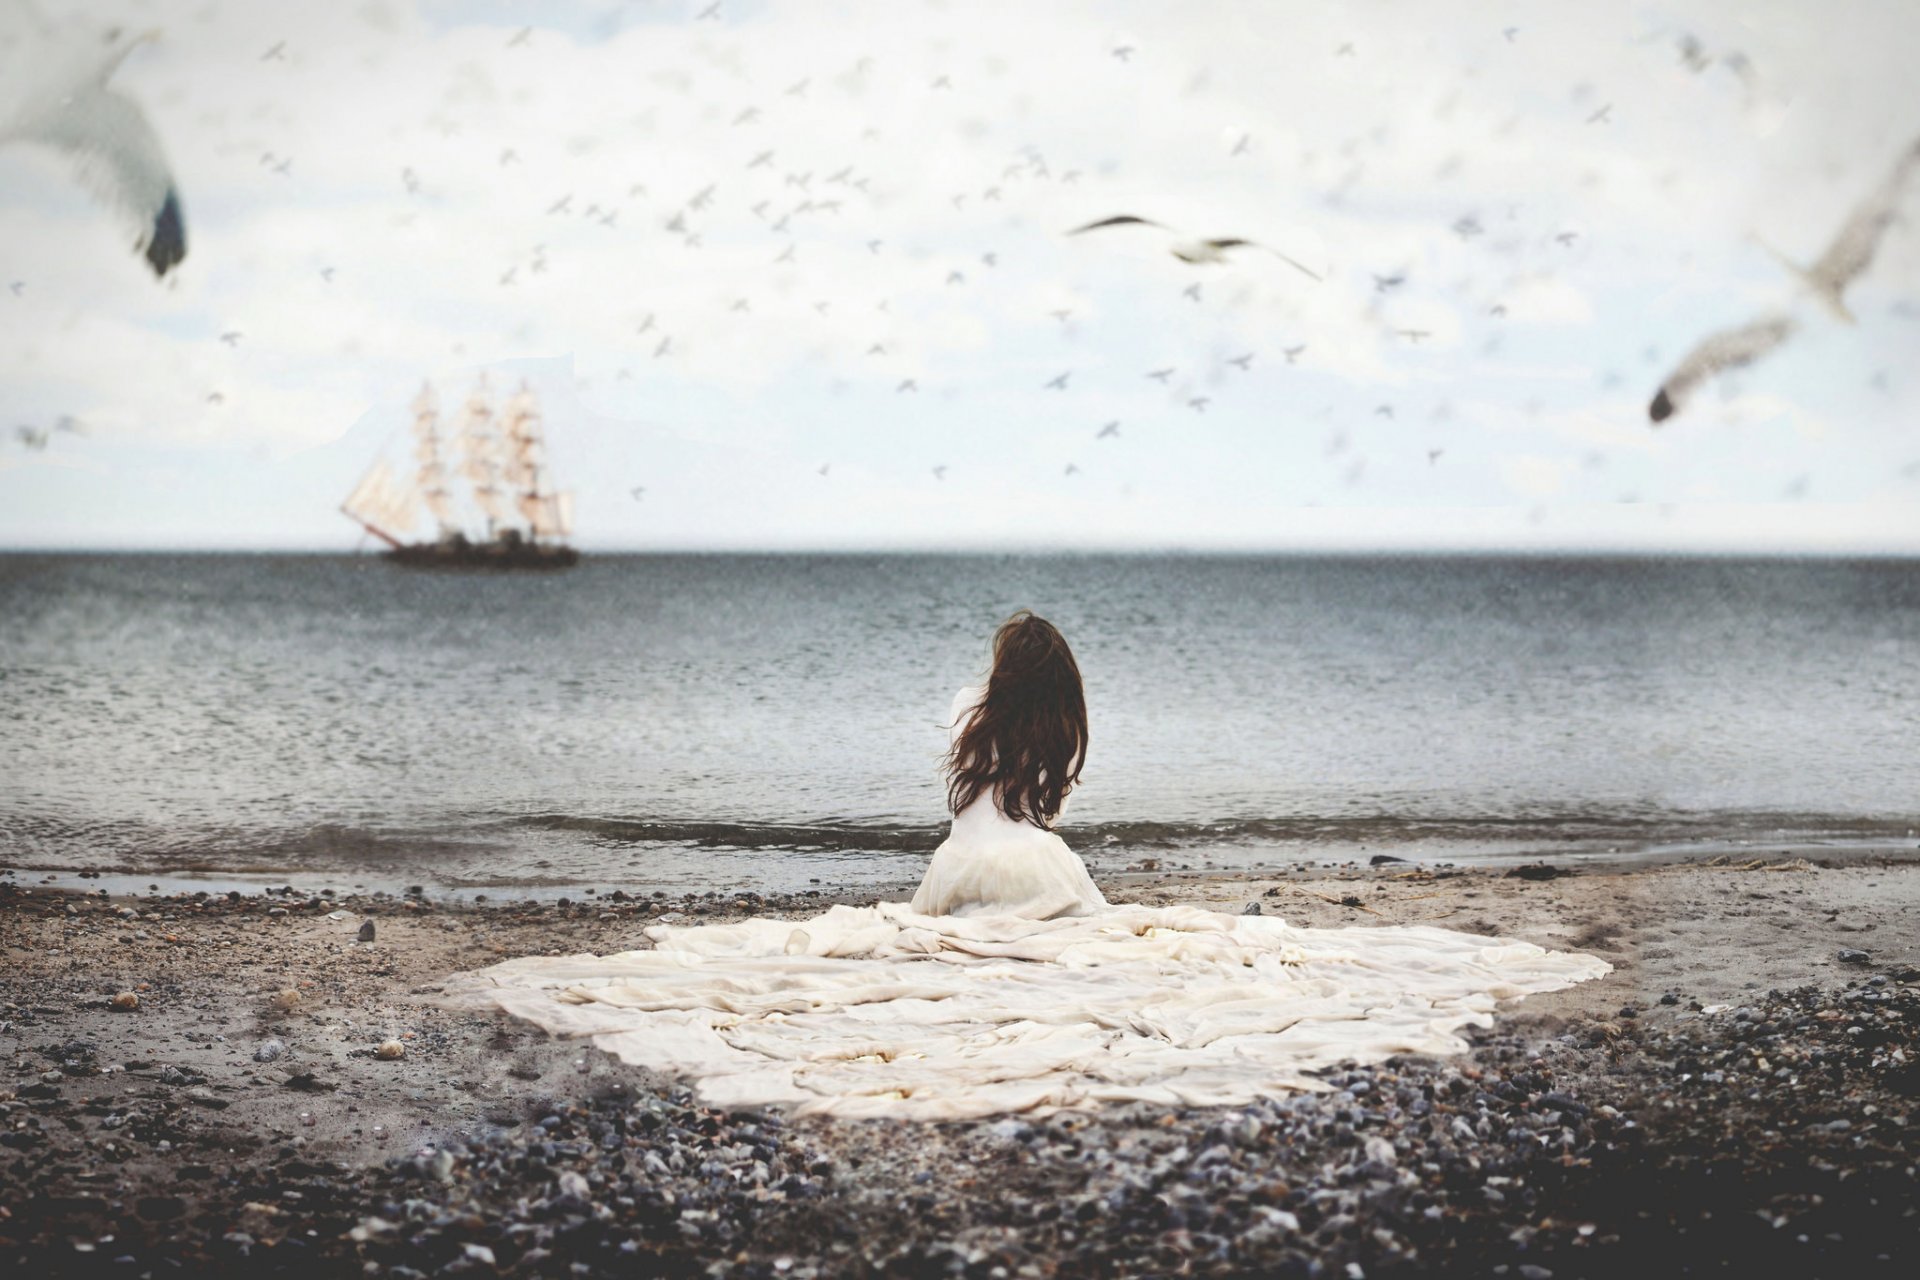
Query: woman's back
(993,864)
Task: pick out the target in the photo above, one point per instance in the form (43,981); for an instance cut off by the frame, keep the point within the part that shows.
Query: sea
(722,723)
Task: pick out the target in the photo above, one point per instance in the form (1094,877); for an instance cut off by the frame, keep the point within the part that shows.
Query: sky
(798,275)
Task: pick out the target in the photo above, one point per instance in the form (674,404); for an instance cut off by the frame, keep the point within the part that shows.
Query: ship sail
(481,458)
(548,514)
(431,479)
(383,503)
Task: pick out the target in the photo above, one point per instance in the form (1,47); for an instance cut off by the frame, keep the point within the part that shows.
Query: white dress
(991,864)
(1009,984)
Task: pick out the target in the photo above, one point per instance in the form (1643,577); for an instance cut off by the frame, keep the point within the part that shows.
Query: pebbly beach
(266,1081)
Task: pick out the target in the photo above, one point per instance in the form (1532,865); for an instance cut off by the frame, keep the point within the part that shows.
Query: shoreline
(1144,867)
(1583,1134)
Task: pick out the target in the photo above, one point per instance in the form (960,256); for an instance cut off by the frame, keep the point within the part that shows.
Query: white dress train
(1010,985)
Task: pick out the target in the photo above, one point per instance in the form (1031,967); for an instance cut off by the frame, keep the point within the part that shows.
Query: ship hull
(484,556)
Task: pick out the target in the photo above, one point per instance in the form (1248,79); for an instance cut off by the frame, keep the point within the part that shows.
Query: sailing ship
(506,514)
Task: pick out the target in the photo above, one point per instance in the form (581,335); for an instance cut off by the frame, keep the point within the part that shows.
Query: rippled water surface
(726,720)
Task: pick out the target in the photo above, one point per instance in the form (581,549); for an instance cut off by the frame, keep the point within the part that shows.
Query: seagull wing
(1234,242)
(1313,276)
(1858,240)
(119,157)
(1125,219)
(1728,349)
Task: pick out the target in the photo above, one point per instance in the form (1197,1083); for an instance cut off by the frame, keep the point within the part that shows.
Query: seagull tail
(1822,289)
(1831,298)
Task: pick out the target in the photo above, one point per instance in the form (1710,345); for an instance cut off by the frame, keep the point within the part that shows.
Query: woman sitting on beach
(1017,745)
(1009,983)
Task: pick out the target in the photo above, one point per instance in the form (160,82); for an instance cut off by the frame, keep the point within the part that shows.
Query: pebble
(269,1051)
(391,1049)
(126,1002)
(366,931)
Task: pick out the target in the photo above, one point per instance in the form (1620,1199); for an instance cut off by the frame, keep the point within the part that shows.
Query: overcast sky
(1568,201)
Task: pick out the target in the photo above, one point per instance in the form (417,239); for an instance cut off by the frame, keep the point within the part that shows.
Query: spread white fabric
(881,1011)
(1010,985)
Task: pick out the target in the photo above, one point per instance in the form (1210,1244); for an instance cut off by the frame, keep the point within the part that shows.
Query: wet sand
(1739,1088)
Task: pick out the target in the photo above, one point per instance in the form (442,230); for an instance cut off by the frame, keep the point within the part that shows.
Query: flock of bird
(60,98)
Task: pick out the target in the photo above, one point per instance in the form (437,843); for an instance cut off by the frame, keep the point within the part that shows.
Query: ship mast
(432,476)
(548,512)
(481,462)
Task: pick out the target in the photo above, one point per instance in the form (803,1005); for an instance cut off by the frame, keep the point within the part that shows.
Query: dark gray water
(722,721)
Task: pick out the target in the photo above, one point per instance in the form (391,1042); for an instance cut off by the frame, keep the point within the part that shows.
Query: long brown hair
(1028,738)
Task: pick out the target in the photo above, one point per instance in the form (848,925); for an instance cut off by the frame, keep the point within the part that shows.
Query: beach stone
(391,1049)
(366,931)
(286,1000)
(1849,955)
(270,1051)
(126,1002)
(1251,909)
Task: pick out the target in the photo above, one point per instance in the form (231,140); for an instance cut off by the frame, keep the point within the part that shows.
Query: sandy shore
(1740,1088)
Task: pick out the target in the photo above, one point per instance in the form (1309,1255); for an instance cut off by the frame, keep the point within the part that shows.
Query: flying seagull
(1111,429)
(1846,258)
(1194,251)
(56,77)
(1853,246)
